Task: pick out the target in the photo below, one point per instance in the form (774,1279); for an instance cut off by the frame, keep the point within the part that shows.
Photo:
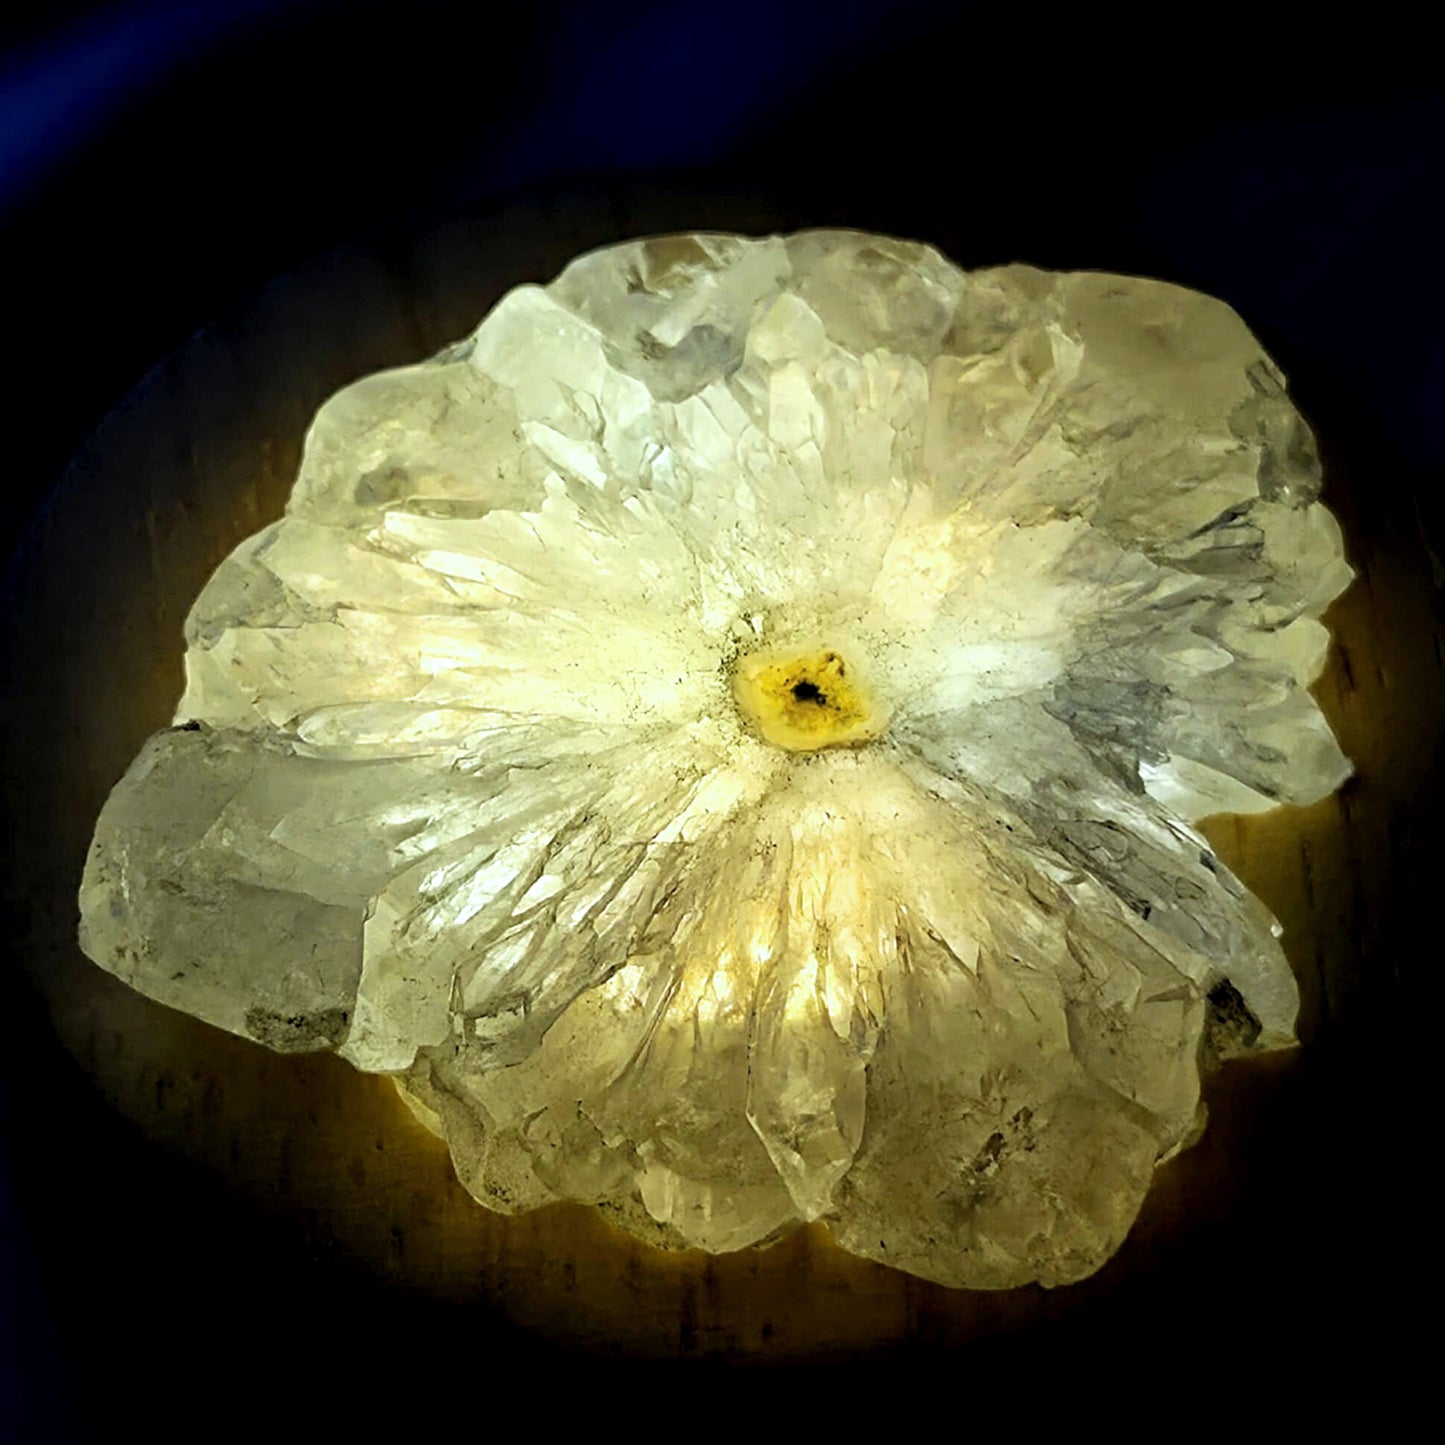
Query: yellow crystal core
(806,698)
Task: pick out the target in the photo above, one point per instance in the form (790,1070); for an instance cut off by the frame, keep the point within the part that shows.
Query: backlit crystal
(726,736)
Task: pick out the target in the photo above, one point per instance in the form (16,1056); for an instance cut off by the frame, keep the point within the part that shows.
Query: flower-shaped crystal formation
(726,736)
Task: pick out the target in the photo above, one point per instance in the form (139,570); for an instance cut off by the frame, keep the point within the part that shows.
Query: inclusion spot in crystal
(806,698)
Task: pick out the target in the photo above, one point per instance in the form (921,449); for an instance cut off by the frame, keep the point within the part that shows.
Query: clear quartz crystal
(726,737)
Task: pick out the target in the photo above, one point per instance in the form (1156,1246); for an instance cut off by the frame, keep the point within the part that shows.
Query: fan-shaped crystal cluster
(726,737)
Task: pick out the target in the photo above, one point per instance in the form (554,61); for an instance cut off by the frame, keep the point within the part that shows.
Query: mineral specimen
(726,737)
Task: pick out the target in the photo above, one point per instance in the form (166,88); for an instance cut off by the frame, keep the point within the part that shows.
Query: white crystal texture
(459,787)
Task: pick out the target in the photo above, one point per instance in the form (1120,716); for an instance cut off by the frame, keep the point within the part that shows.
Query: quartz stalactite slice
(726,737)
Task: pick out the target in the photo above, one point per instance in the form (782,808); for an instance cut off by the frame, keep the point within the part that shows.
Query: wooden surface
(299,1164)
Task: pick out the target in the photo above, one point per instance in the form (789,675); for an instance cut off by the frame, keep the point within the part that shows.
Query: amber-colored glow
(306,1138)
(806,698)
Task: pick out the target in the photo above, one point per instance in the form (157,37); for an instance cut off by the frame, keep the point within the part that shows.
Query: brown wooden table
(326,1168)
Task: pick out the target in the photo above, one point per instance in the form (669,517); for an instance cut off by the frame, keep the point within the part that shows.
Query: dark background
(160,162)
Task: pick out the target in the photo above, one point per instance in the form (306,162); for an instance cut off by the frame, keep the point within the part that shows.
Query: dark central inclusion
(804,698)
